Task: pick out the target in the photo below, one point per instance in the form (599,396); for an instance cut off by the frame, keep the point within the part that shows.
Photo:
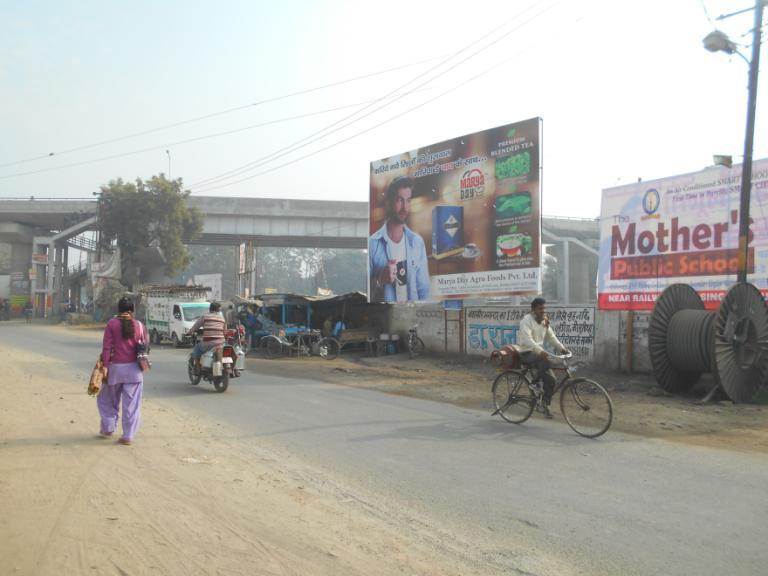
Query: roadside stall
(321,325)
(285,322)
(349,321)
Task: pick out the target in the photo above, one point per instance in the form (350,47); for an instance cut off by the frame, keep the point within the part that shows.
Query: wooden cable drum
(741,342)
(686,341)
(677,358)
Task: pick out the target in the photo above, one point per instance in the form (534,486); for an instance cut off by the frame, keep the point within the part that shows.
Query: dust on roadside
(193,496)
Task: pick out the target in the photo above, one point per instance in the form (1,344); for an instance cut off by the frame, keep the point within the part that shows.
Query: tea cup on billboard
(512,245)
(470,251)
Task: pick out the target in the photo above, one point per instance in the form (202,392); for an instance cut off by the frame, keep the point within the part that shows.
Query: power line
(186,141)
(391,119)
(311,138)
(301,143)
(215,114)
(706,13)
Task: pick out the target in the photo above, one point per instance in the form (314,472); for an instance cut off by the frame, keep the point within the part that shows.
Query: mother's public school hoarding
(682,229)
(474,221)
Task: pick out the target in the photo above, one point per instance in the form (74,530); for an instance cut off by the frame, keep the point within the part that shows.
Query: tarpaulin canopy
(248,301)
(302,300)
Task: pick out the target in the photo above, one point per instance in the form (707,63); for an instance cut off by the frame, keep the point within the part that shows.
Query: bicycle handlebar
(563,356)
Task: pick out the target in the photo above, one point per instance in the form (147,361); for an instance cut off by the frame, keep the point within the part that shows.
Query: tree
(110,293)
(549,279)
(152,212)
(304,270)
(345,270)
(206,259)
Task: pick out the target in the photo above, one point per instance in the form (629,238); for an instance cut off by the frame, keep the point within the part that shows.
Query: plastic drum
(394,346)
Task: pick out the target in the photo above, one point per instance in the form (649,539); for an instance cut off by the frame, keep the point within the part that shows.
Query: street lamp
(717,41)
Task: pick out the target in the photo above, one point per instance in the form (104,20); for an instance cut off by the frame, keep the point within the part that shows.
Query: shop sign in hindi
(683,229)
(491,328)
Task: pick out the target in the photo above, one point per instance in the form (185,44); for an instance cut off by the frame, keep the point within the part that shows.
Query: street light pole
(746,167)
(169,163)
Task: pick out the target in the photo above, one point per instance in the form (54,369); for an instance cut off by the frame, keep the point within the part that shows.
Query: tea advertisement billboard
(459,218)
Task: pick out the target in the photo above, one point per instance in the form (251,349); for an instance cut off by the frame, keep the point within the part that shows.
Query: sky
(625,90)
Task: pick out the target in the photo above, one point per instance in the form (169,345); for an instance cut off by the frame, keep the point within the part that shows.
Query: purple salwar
(125,382)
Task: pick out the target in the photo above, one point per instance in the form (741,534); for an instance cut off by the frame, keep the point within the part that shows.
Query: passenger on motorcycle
(214,331)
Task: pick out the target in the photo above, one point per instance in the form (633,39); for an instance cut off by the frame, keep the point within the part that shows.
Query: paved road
(618,505)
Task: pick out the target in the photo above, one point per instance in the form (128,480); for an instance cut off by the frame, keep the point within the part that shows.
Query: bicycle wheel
(274,347)
(513,400)
(329,348)
(415,346)
(586,407)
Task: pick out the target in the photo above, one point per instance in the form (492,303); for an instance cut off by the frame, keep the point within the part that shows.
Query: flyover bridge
(47,226)
(231,221)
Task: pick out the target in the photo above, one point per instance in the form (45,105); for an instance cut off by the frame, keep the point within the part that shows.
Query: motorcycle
(219,364)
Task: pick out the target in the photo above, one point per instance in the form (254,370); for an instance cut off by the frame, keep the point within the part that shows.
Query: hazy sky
(625,89)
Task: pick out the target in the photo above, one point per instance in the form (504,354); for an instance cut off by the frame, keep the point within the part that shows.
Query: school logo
(651,201)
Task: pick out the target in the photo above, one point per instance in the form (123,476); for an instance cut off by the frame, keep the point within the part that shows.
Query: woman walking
(125,379)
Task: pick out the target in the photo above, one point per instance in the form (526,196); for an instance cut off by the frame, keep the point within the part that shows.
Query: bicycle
(282,344)
(414,343)
(585,404)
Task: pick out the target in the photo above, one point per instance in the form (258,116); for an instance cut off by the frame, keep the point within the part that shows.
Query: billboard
(682,229)
(459,218)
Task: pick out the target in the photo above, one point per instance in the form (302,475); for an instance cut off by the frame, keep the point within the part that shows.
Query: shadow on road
(531,434)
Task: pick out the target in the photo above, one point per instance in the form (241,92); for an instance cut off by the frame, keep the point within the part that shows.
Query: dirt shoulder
(189,497)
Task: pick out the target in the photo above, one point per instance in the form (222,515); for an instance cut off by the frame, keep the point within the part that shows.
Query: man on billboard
(398,267)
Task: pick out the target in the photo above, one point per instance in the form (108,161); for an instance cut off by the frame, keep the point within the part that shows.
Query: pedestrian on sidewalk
(125,379)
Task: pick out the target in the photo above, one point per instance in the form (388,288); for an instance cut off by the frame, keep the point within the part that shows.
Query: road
(617,505)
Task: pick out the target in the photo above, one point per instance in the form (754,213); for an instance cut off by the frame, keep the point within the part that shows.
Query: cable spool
(741,342)
(678,358)
(686,341)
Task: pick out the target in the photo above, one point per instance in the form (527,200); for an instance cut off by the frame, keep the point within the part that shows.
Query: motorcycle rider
(214,331)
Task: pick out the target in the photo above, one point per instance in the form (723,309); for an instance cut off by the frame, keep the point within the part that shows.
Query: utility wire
(186,141)
(215,114)
(318,135)
(391,119)
(706,13)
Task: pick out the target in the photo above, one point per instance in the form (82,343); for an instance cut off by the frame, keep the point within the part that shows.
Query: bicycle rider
(533,333)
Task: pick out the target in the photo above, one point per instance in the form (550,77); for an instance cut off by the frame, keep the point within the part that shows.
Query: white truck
(172,310)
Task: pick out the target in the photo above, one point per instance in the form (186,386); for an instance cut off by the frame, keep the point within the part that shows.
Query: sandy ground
(192,498)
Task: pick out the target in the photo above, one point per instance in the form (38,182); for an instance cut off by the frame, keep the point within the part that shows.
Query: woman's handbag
(142,353)
(142,357)
(98,375)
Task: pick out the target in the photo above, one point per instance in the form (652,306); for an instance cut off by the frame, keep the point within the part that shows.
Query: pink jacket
(117,349)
